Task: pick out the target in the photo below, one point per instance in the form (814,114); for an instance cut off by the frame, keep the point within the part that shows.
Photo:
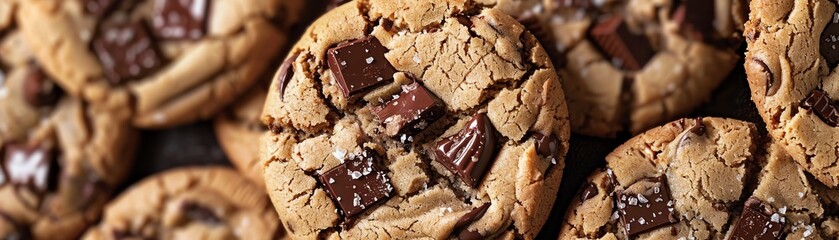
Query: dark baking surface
(196,145)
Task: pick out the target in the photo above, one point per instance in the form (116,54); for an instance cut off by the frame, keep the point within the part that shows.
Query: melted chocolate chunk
(359,65)
(547,146)
(642,212)
(698,127)
(589,192)
(823,106)
(470,152)
(357,184)
(29,167)
(695,19)
(829,46)
(758,221)
(198,213)
(180,19)
(627,49)
(126,52)
(410,112)
(771,86)
(98,7)
(468,219)
(39,90)
(286,72)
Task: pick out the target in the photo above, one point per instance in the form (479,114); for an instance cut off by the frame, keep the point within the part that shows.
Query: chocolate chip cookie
(60,159)
(792,54)
(632,65)
(705,178)
(190,203)
(177,61)
(415,119)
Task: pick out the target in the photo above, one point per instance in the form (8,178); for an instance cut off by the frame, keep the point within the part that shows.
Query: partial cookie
(631,65)
(190,203)
(707,178)
(791,62)
(60,159)
(174,61)
(415,119)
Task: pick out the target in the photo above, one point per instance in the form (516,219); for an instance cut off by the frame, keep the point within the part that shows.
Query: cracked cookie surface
(629,65)
(711,178)
(190,203)
(60,159)
(415,119)
(169,62)
(791,62)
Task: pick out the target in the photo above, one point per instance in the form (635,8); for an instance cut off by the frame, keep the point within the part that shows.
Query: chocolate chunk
(468,219)
(547,146)
(180,19)
(573,4)
(698,127)
(695,19)
(629,50)
(470,152)
(29,167)
(359,65)
(357,184)
(589,192)
(829,46)
(771,86)
(641,212)
(335,3)
(823,106)
(286,72)
(410,112)
(39,90)
(757,222)
(126,52)
(198,213)
(98,7)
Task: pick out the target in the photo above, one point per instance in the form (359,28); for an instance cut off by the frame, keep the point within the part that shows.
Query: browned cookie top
(415,119)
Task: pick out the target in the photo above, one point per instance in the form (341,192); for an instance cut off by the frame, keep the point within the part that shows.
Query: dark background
(196,145)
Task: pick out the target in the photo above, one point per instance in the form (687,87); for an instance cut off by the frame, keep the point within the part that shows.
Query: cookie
(236,130)
(190,203)
(708,178)
(60,159)
(177,61)
(793,82)
(632,65)
(415,119)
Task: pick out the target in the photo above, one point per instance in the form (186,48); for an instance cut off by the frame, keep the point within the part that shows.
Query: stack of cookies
(419,119)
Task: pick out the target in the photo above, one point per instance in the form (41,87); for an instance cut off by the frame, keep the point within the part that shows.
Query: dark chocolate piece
(98,7)
(180,19)
(758,221)
(589,191)
(470,152)
(198,213)
(771,86)
(357,184)
(39,90)
(695,19)
(359,65)
(286,72)
(642,212)
(627,49)
(547,146)
(126,52)
(29,167)
(829,46)
(468,219)
(469,235)
(411,111)
(698,127)
(823,106)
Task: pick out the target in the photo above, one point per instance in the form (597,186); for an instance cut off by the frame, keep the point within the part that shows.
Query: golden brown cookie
(169,62)
(238,128)
(705,178)
(792,54)
(631,65)
(190,203)
(60,159)
(415,119)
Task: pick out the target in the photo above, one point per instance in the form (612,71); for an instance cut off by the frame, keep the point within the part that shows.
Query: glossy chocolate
(470,152)
(286,73)
(359,65)
(820,103)
(410,112)
(357,184)
(757,222)
(180,19)
(39,90)
(629,50)
(29,167)
(829,45)
(642,212)
(126,52)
